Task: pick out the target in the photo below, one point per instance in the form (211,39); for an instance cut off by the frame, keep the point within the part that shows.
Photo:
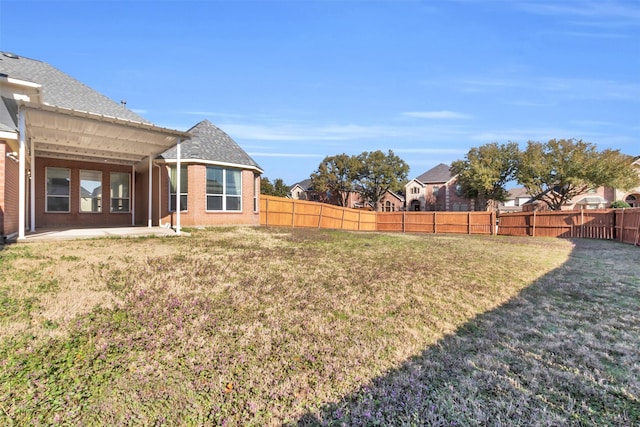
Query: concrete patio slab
(90,233)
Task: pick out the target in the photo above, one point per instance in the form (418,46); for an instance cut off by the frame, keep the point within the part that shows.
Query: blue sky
(295,81)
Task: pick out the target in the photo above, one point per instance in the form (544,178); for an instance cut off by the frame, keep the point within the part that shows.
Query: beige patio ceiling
(75,135)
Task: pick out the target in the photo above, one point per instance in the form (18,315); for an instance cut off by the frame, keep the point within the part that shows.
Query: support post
(178,184)
(22,170)
(133,195)
(32,191)
(150,193)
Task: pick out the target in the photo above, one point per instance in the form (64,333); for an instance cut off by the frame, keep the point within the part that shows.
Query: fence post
(533,232)
(360,219)
(492,223)
(293,214)
(621,224)
(320,216)
(266,213)
(468,222)
(435,222)
(342,220)
(581,222)
(403,221)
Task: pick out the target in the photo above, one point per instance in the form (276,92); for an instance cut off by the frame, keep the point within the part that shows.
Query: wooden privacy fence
(607,224)
(437,222)
(277,211)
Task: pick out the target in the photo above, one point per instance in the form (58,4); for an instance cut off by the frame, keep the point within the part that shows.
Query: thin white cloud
(569,88)
(431,150)
(444,115)
(598,9)
(285,155)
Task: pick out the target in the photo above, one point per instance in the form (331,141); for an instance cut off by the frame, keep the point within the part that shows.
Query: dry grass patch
(267,327)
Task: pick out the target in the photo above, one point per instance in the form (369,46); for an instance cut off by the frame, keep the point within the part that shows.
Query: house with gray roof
(220,182)
(436,190)
(72,157)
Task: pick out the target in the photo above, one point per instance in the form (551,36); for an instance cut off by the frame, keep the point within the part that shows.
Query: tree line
(552,172)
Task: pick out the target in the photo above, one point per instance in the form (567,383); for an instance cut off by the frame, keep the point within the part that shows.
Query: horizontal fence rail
(608,224)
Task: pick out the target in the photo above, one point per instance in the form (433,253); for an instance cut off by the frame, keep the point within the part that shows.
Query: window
(58,189)
(436,190)
(90,191)
(224,189)
(120,183)
(184,188)
(458,190)
(256,192)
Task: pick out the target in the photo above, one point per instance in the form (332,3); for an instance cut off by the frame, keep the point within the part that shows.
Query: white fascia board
(210,162)
(8,135)
(19,82)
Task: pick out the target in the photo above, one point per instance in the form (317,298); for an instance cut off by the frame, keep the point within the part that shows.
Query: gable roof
(56,89)
(209,143)
(518,192)
(436,175)
(304,184)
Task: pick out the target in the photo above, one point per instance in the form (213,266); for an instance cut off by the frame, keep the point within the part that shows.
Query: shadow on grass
(562,352)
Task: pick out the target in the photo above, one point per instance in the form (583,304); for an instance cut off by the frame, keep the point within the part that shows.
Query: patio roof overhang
(63,133)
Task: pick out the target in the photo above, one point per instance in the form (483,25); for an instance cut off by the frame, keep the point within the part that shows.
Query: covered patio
(82,140)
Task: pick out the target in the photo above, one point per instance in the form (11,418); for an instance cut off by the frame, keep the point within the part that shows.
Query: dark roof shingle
(58,90)
(208,142)
(435,175)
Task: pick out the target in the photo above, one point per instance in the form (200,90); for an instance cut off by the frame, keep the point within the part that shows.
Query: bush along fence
(610,224)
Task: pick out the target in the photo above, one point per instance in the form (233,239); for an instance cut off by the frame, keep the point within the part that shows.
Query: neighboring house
(391,202)
(516,199)
(598,198)
(303,190)
(220,181)
(71,157)
(436,190)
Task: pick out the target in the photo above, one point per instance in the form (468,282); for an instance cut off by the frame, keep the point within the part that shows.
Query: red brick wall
(196,215)
(8,192)
(75,217)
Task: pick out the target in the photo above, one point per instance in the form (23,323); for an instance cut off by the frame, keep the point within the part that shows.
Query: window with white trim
(120,191)
(90,191)
(224,189)
(256,192)
(184,188)
(58,189)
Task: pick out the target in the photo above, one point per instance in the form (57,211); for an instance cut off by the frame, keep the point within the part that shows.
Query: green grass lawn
(243,326)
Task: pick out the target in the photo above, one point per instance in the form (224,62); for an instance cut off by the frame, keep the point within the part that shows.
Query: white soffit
(75,135)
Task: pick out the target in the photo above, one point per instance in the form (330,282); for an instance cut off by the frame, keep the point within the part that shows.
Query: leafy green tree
(336,176)
(485,171)
(277,188)
(378,174)
(556,171)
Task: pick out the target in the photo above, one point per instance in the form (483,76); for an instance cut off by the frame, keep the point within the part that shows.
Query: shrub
(620,204)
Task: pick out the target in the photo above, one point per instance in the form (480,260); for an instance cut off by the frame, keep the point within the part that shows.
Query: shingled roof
(210,143)
(57,89)
(436,175)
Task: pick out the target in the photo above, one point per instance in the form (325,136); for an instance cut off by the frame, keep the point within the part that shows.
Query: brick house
(220,181)
(303,190)
(71,157)
(436,190)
